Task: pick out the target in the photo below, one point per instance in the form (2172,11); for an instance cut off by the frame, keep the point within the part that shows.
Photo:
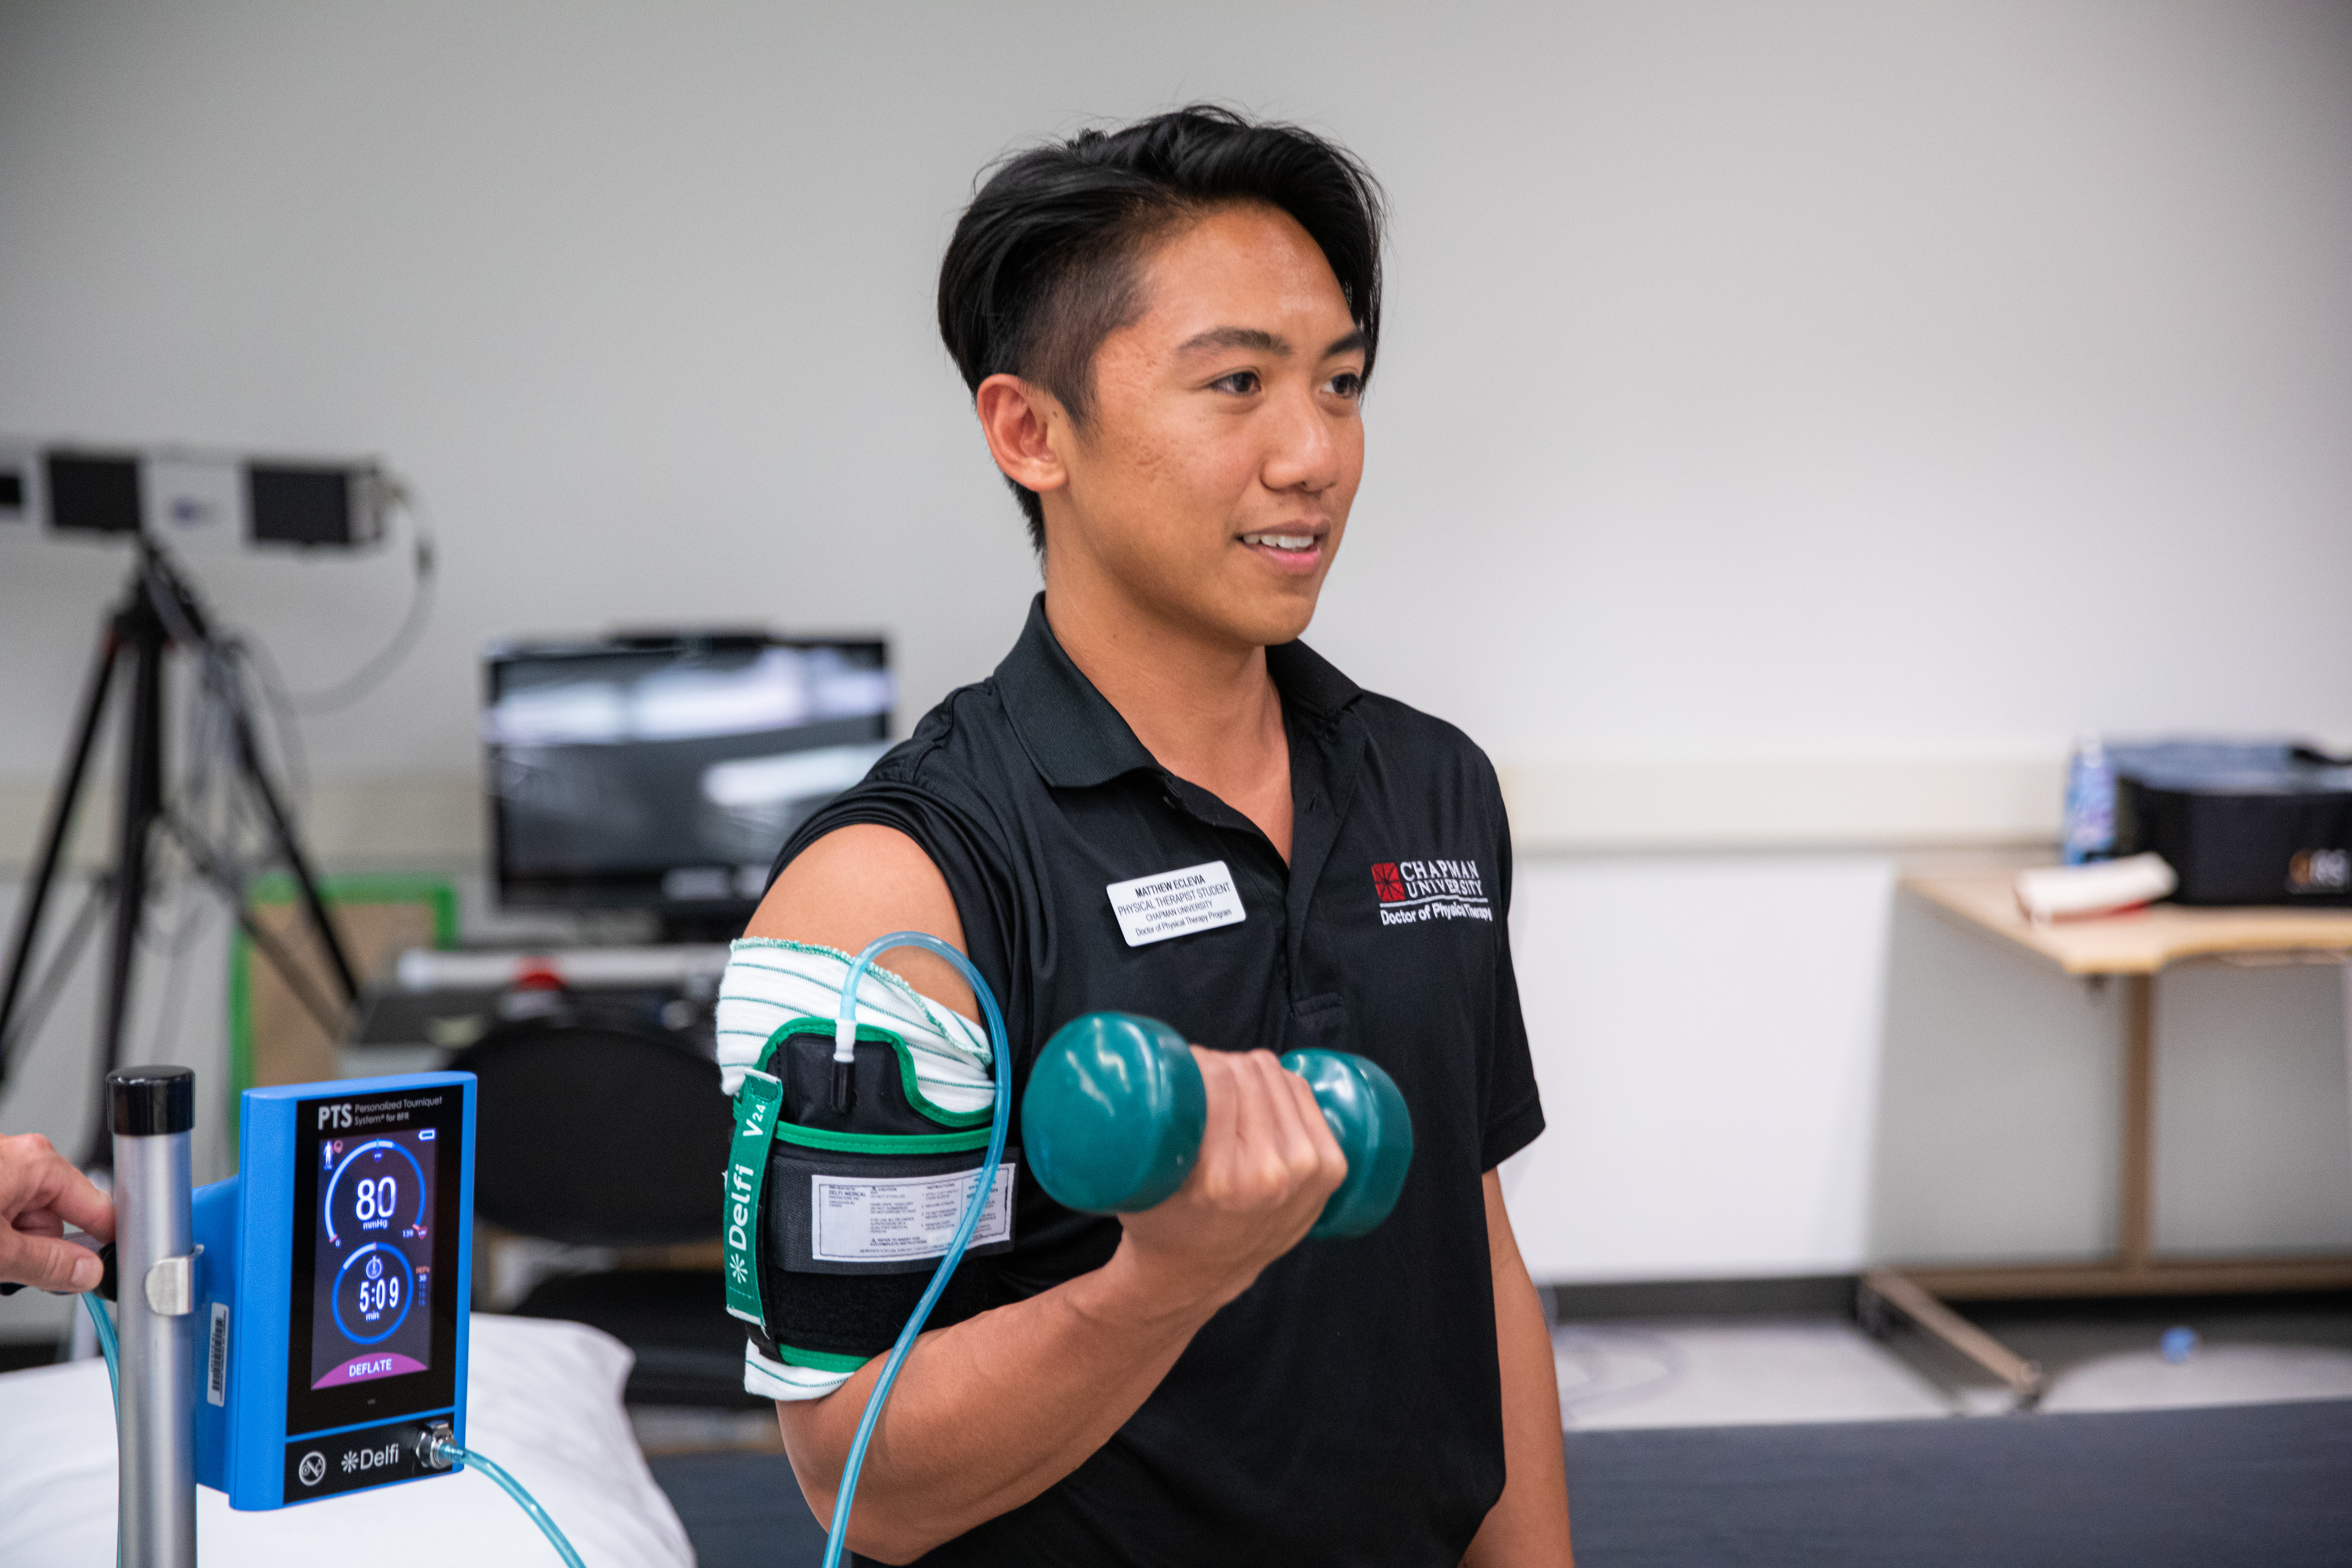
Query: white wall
(1707,1037)
(1811,379)
(1779,1064)
(1793,423)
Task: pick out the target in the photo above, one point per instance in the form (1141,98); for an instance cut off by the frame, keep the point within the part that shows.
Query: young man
(1167,331)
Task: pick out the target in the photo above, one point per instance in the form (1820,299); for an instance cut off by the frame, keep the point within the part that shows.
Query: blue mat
(2266,1486)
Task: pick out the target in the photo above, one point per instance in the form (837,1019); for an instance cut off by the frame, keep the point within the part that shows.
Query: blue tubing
(836,1537)
(105,1326)
(448,1450)
(523,1499)
(106,1344)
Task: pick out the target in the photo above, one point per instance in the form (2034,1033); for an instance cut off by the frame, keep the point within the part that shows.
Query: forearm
(989,1412)
(1527,1527)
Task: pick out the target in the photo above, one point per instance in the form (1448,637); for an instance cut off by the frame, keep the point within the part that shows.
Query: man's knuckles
(1268,1180)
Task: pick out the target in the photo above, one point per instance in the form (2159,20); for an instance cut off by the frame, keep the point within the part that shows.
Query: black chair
(605,1130)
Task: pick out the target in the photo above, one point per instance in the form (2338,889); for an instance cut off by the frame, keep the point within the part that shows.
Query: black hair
(1042,266)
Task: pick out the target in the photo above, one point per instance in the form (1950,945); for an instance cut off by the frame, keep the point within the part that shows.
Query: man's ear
(1021,421)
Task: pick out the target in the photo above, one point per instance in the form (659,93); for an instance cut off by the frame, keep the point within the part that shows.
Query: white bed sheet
(543,1400)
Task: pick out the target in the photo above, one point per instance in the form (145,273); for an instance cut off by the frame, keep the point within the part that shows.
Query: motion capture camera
(20,492)
(329,1299)
(196,501)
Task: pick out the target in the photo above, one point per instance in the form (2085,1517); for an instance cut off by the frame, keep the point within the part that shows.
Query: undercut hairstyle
(1046,261)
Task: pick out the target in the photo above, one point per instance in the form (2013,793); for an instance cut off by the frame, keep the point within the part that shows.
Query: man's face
(1223,446)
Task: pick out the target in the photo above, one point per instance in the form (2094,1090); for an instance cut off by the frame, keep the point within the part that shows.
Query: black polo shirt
(1346,1409)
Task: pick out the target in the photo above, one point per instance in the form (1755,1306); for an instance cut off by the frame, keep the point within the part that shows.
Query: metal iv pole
(154,1113)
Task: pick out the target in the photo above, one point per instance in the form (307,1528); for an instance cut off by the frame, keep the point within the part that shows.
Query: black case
(2279,835)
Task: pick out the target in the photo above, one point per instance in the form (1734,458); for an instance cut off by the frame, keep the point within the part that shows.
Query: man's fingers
(34,1178)
(48,1264)
(1294,1124)
(1255,1146)
(1217,1128)
(1322,1145)
(1266,1136)
(77,1202)
(81,1202)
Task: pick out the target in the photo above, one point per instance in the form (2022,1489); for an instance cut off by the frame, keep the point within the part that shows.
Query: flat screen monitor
(665,772)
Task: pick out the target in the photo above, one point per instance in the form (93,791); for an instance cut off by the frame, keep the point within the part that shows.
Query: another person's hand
(40,1195)
(1267,1162)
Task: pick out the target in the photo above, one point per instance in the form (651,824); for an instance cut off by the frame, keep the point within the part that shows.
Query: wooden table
(2132,948)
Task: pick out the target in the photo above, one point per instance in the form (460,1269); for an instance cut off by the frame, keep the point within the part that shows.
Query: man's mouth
(1297,552)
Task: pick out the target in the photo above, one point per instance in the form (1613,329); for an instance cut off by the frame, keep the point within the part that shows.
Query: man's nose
(1302,453)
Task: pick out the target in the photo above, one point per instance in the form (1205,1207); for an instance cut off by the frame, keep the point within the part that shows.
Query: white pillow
(544,1401)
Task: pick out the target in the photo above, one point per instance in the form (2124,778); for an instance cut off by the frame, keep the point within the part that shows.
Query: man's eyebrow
(1354,343)
(1237,338)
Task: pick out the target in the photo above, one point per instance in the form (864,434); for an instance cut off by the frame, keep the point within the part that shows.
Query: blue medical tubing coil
(845,1030)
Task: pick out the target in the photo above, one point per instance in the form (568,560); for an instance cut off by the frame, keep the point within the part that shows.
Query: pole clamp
(172,1285)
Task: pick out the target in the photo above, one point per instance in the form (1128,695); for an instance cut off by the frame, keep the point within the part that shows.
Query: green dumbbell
(1111,1121)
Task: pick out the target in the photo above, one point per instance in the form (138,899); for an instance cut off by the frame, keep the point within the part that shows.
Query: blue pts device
(331,1293)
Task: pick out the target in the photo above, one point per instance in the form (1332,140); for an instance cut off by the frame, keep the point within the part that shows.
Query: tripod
(159,609)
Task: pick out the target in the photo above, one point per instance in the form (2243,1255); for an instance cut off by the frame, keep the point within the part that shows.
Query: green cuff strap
(747,1168)
(883,1142)
(820,1361)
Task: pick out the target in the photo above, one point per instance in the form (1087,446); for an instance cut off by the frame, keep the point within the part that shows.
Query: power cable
(403,641)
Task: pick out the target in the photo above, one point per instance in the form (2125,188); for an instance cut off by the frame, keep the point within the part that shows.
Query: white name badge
(1176,903)
(903,1216)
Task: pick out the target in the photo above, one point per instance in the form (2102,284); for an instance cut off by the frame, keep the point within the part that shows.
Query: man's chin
(1247,614)
(1270,621)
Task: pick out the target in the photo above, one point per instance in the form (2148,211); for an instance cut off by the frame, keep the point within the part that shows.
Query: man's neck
(1204,707)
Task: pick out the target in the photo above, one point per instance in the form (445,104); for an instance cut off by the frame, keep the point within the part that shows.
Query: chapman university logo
(1412,891)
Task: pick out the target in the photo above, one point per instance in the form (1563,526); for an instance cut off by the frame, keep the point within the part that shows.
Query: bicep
(863,881)
(1515,1290)
(854,884)
(1502,1243)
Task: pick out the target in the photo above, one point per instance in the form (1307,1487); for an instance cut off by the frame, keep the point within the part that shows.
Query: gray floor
(1709,1372)
(1701,1373)
(1730,1371)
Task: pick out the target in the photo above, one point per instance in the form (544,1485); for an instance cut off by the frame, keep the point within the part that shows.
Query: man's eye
(1347,384)
(1242,382)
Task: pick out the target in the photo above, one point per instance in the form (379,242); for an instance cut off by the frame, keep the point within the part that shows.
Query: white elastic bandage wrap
(769,983)
(765,1377)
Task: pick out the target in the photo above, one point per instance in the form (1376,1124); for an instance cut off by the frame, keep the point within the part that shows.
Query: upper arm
(849,887)
(863,881)
(1502,1243)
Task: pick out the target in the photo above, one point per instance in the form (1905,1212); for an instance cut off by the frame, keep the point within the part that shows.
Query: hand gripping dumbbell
(1112,1119)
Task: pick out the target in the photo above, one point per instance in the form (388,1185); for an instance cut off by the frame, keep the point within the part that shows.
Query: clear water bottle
(2090,830)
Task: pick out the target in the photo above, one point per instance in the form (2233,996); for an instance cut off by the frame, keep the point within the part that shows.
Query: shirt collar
(1077,739)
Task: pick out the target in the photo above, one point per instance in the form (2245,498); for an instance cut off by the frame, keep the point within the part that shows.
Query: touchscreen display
(372,1322)
(373,1276)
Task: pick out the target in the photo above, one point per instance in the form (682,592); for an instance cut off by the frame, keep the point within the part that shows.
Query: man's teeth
(1281,541)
